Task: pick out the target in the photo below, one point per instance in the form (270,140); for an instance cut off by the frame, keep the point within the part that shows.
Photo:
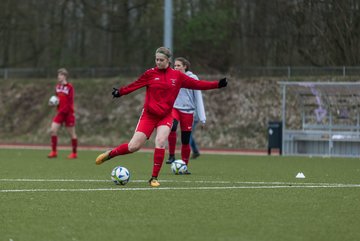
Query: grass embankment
(237,116)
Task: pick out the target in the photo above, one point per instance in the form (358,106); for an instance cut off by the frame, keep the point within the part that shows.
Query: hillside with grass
(237,116)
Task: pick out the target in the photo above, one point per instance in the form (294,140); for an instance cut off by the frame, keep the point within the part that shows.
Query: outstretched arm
(191,83)
(127,89)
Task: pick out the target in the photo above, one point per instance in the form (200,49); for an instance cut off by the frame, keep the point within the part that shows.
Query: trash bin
(274,136)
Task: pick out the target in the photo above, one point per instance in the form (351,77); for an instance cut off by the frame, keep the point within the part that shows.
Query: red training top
(162,88)
(65,93)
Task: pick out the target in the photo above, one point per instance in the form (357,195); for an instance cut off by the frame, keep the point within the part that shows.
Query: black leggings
(185,135)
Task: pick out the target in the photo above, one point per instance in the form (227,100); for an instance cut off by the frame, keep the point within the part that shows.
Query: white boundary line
(175,188)
(243,185)
(175,181)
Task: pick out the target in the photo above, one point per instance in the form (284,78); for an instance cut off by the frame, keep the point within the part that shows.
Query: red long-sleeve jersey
(162,88)
(65,93)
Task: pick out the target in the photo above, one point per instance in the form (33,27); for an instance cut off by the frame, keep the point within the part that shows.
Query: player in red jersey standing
(65,114)
(162,87)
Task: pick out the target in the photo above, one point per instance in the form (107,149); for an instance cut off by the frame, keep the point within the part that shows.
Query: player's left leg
(161,138)
(185,148)
(186,122)
(70,127)
(163,128)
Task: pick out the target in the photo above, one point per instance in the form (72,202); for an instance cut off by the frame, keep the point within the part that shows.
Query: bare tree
(216,35)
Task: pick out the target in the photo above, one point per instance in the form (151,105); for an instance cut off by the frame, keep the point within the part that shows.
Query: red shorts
(185,119)
(148,122)
(67,118)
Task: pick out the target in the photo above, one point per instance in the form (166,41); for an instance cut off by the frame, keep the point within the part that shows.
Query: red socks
(120,150)
(185,148)
(159,154)
(54,143)
(158,161)
(185,153)
(74,145)
(54,140)
(172,142)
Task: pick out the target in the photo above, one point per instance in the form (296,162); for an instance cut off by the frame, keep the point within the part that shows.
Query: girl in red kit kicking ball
(162,87)
(65,114)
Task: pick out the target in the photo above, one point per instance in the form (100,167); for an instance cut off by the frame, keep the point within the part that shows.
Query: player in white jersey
(187,102)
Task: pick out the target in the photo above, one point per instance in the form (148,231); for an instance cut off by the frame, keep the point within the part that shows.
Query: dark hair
(185,62)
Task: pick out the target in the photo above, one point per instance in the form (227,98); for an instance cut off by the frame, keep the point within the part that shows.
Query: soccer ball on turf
(53,101)
(120,175)
(178,167)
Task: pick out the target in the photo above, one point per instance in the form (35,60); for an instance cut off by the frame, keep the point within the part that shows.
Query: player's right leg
(53,132)
(136,142)
(103,157)
(143,131)
(172,142)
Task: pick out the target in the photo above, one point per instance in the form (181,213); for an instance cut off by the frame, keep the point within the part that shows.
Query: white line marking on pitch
(248,185)
(176,181)
(178,188)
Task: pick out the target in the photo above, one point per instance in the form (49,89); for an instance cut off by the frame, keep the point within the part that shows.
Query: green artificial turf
(227,197)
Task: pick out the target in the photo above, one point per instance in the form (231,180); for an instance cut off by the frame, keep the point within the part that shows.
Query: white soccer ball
(53,101)
(178,167)
(120,175)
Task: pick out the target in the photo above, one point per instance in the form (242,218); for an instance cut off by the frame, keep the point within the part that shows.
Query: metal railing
(8,73)
(281,71)
(299,71)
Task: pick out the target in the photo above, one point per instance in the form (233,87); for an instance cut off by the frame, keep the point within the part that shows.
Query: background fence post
(289,71)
